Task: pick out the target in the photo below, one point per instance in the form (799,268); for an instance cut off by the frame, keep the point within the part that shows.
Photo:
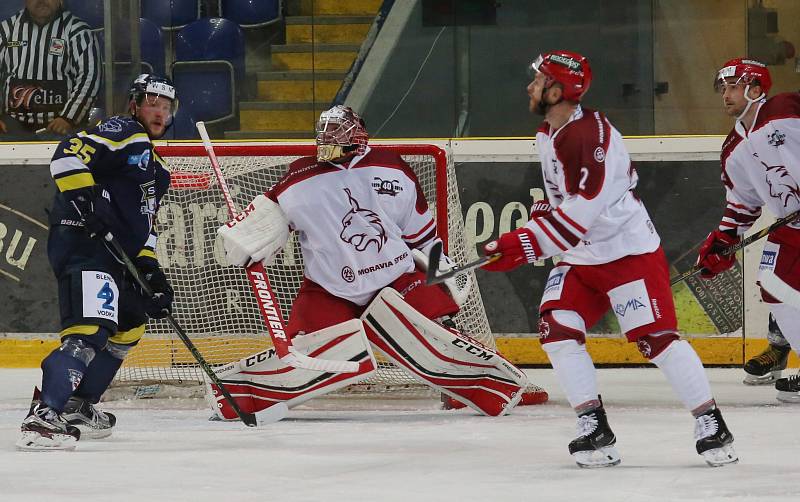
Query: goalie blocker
(444,359)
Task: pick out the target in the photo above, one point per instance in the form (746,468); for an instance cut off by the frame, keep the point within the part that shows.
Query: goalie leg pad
(446,360)
(262,380)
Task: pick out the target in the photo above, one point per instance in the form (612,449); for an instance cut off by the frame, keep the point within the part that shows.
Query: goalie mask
(340,131)
(569,69)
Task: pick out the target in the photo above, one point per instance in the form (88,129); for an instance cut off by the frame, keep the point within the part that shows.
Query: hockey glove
(711,258)
(515,248)
(93,208)
(540,209)
(160,304)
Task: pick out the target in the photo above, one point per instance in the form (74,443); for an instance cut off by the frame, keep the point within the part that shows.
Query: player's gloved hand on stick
(515,248)
(93,209)
(160,304)
(711,258)
(540,208)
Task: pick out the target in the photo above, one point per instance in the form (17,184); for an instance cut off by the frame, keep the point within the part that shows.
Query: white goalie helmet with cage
(339,132)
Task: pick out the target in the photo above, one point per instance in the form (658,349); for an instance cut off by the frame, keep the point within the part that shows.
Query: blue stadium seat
(171,14)
(251,13)
(211,39)
(209,62)
(90,11)
(10,7)
(151,46)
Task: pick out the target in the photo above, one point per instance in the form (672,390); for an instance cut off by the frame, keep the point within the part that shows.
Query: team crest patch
(362,227)
(75,378)
(386,187)
(57,46)
(776,138)
(599,154)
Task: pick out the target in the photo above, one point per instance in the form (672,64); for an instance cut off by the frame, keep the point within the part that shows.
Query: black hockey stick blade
(740,245)
(434,276)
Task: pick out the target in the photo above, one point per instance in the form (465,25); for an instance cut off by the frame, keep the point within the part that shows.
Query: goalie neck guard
(339,132)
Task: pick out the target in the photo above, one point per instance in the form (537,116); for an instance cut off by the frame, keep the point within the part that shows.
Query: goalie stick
(248,419)
(262,290)
(434,276)
(739,245)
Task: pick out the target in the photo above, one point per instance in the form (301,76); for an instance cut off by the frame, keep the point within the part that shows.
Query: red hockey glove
(711,258)
(515,248)
(540,208)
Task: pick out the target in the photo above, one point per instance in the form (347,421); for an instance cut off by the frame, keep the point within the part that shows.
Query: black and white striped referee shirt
(48,71)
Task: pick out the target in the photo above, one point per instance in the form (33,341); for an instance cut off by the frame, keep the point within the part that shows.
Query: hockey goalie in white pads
(261,380)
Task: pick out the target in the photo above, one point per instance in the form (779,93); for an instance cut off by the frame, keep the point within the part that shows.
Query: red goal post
(213,299)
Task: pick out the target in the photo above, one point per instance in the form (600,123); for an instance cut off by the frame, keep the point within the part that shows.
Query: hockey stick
(265,298)
(739,245)
(248,419)
(433,276)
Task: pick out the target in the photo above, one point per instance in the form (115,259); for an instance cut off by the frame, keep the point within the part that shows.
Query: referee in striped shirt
(50,71)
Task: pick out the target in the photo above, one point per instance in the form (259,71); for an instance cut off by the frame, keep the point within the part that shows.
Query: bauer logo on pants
(631,304)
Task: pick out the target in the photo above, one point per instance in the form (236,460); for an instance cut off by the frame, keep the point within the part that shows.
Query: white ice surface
(387,450)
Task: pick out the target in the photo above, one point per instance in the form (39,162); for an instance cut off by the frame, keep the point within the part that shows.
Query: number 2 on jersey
(107,294)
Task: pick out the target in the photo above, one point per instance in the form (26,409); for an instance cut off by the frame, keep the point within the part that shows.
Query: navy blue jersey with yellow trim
(118,156)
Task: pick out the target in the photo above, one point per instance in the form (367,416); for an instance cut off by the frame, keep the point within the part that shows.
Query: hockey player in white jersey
(364,228)
(611,257)
(761,167)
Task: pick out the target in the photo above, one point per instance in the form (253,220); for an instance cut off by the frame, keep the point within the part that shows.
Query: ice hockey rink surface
(342,449)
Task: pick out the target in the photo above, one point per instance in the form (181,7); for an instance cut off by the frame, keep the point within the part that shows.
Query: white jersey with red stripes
(761,166)
(356,222)
(589,181)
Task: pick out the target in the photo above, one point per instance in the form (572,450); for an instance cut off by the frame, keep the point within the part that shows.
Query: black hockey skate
(93,423)
(714,440)
(45,429)
(594,446)
(766,367)
(788,389)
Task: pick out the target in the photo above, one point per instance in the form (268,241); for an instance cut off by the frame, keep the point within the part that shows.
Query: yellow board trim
(74,181)
(28,353)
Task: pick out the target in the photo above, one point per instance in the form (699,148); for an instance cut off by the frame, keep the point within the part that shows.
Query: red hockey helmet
(746,71)
(340,131)
(569,69)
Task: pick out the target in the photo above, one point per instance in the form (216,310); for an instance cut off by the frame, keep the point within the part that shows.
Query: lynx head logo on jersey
(782,185)
(362,227)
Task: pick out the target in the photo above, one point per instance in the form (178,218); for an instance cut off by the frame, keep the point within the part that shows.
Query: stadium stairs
(322,41)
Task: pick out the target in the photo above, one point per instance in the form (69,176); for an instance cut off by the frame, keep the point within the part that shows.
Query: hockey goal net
(213,300)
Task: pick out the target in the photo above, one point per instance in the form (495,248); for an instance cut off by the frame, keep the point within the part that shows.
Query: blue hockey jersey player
(108,179)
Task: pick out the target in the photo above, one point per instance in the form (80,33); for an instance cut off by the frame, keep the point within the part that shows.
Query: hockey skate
(44,429)
(714,440)
(766,367)
(788,389)
(93,423)
(594,446)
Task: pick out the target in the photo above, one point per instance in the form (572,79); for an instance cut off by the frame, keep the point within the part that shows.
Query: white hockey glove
(257,234)
(459,286)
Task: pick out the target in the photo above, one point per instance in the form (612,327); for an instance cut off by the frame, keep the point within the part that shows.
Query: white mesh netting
(213,301)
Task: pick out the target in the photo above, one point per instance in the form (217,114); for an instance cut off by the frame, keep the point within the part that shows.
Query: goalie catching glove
(257,234)
(458,286)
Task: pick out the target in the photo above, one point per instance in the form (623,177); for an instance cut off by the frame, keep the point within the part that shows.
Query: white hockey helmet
(339,132)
